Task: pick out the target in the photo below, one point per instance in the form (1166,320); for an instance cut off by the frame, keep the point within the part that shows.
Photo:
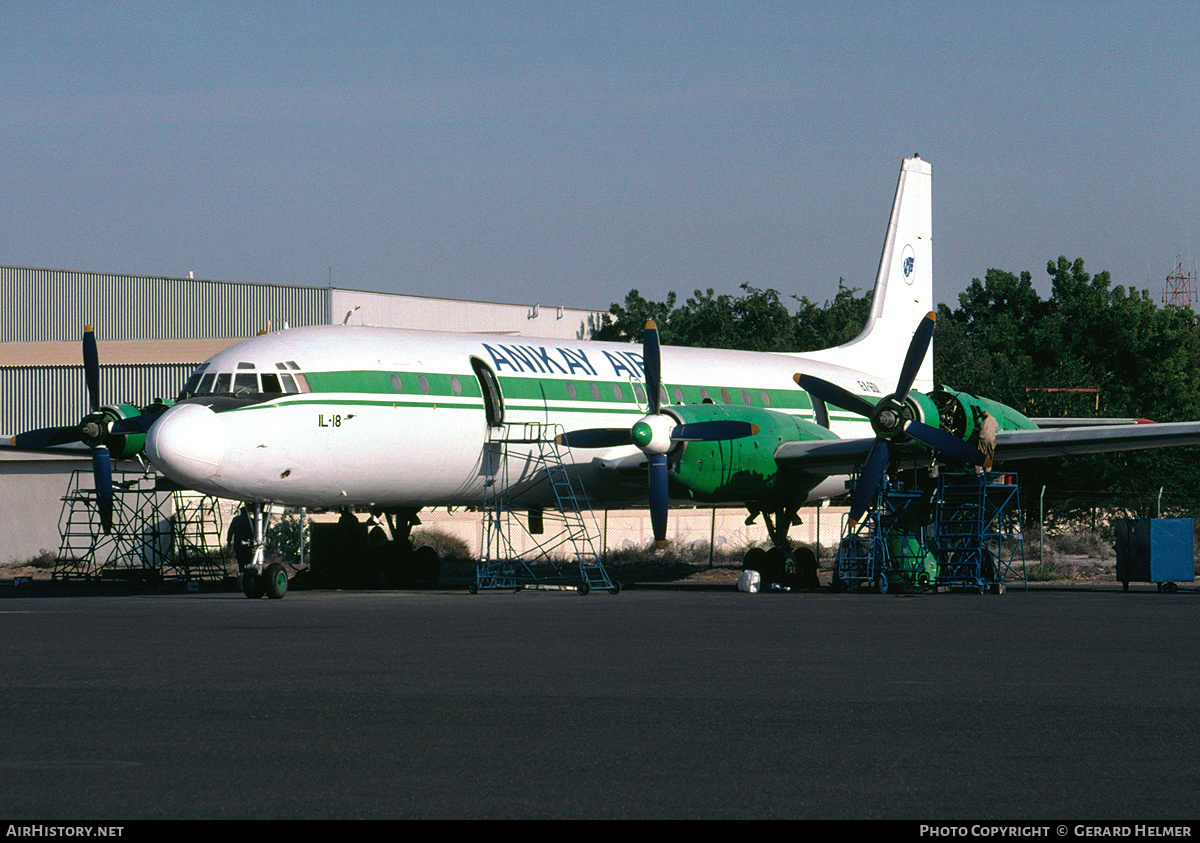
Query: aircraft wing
(824,456)
(843,456)
(1033,444)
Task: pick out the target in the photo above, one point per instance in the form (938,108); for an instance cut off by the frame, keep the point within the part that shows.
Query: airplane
(398,420)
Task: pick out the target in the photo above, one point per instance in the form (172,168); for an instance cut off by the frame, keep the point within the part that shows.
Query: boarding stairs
(550,547)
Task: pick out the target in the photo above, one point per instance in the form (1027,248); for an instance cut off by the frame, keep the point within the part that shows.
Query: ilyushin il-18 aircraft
(398,420)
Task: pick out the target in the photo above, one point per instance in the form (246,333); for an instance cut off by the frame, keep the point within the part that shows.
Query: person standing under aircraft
(241,536)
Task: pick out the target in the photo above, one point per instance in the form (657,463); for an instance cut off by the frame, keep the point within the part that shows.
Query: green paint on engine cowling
(128,445)
(973,408)
(738,469)
(929,411)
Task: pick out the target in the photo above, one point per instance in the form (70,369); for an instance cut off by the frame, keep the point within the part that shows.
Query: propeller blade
(102,471)
(652,365)
(659,498)
(45,437)
(834,394)
(596,437)
(136,424)
(947,443)
(868,481)
(917,349)
(91,367)
(713,431)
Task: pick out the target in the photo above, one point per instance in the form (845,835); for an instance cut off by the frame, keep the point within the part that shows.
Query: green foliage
(756,321)
(1092,349)
(835,323)
(284,537)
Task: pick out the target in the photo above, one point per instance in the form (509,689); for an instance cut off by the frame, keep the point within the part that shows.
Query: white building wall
(396,311)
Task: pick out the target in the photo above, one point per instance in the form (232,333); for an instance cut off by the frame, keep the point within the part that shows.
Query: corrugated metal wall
(48,396)
(49,305)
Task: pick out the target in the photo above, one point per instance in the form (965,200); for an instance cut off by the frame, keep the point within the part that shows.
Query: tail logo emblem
(909,261)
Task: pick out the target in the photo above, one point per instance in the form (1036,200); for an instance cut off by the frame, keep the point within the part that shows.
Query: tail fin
(903,288)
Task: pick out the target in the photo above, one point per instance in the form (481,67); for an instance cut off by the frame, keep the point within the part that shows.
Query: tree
(1136,360)
(756,321)
(838,322)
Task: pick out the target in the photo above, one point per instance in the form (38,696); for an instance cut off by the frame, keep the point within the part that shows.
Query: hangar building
(151,333)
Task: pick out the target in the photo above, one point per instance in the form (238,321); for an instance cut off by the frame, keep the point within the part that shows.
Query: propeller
(892,420)
(656,433)
(95,430)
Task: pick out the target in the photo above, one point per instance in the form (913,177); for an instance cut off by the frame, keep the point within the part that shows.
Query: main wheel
(252,585)
(275,581)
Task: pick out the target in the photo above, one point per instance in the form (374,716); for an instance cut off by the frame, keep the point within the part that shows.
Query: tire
(426,566)
(275,581)
(253,586)
(754,560)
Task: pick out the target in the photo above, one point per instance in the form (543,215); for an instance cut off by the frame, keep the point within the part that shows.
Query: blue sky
(564,153)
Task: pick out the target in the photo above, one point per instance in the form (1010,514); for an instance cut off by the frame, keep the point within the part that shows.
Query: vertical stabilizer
(903,288)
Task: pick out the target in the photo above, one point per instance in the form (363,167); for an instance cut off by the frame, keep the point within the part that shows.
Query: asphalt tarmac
(680,702)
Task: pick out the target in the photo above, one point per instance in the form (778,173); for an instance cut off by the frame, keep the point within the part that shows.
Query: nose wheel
(259,580)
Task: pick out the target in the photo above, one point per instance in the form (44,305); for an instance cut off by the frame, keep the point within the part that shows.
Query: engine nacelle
(961,412)
(738,469)
(125,445)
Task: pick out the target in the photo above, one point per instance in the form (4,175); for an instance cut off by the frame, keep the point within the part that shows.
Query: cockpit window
(193,382)
(285,380)
(245,383)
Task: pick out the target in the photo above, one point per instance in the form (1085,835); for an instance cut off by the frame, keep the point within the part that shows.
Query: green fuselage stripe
(421,388)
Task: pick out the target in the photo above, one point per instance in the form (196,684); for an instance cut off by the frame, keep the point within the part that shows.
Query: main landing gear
(781,564)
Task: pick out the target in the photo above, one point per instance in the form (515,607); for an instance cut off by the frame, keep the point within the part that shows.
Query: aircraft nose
(187,444)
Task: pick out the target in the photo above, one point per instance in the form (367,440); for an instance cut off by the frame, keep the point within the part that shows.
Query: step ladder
(978,530)
(552,547)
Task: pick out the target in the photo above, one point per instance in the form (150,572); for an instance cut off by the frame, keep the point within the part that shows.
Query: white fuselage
(396,418)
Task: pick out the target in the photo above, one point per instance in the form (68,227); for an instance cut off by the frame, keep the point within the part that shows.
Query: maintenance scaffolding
(965,532)
(158,533)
